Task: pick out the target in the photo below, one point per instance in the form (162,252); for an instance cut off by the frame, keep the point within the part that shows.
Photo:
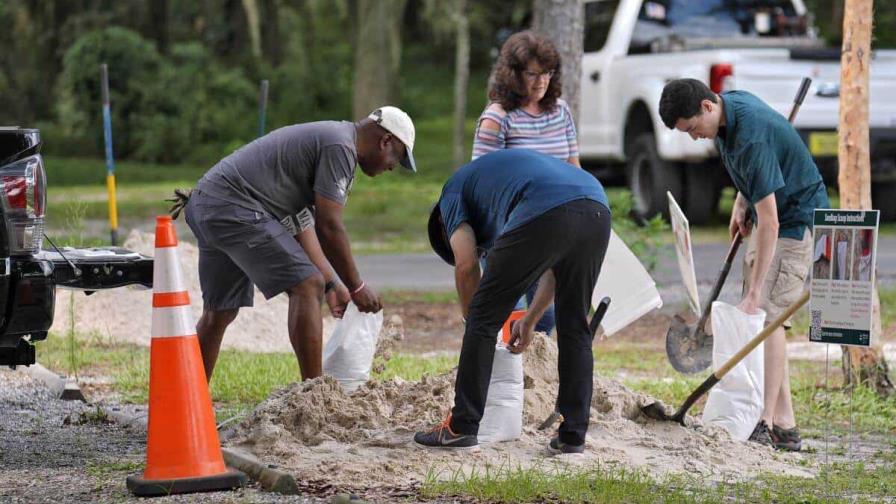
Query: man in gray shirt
(270,215)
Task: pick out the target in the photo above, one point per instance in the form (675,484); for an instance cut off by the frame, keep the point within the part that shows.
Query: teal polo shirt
(764,154)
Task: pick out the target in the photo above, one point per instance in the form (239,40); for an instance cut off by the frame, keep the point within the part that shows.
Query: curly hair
(507,85)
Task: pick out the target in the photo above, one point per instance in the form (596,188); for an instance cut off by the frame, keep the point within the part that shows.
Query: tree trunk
(377,54)
(461,81)
(253,22)
(859,364)
(562,20)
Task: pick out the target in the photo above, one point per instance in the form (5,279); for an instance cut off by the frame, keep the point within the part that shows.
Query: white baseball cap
(396,121)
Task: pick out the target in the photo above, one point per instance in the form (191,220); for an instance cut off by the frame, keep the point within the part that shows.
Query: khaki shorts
(786,276)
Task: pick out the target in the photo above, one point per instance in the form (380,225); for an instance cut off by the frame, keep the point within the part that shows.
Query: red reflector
(38,190)
(717,74)
(16,190)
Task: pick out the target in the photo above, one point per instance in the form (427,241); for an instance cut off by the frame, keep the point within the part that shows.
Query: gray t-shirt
(281,172)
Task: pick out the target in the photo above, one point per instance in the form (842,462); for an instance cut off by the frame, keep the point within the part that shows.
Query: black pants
(571,240)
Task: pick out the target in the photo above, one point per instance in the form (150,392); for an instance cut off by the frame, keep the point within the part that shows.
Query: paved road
(428,272)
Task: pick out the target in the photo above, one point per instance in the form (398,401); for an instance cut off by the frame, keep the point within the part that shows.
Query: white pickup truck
(633,47)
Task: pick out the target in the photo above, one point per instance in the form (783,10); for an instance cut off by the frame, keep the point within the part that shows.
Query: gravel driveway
(68,451)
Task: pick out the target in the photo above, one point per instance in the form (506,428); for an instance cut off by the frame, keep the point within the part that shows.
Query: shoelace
(446,424)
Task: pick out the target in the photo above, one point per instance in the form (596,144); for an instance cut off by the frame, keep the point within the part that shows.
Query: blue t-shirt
(505,189)
(764,155)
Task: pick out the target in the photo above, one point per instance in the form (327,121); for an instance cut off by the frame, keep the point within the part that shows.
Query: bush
(196,110)
(133,67)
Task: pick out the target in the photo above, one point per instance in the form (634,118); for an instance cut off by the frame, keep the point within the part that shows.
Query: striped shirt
(552,133)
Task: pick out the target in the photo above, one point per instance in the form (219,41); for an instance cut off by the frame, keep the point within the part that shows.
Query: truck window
(598,20)
(714,19)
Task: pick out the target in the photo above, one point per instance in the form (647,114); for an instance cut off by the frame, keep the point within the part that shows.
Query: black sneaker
(557,447)
(443,437)
(787,439)
(761,434)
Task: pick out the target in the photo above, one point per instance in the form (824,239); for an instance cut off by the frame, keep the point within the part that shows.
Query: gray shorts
(786,276)
(239,247)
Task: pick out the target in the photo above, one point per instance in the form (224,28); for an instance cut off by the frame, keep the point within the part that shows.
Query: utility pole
(859,364)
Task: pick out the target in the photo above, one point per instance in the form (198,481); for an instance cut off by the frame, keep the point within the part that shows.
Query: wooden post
(564,22)
(461,80)
(859,364)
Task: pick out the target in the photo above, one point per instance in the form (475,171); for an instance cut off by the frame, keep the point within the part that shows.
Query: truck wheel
(883,198)
(702,189)
(649,177)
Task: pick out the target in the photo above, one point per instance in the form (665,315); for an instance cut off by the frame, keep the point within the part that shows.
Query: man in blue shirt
(778,189)
(535,217)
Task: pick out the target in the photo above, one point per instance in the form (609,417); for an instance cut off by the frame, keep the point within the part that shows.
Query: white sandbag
(625,280)
(502,419)
(735,403)
(348,355)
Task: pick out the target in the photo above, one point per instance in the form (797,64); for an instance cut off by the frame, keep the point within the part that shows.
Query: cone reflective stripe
(183,452)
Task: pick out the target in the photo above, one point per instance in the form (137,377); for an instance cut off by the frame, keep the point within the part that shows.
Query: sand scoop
(657,410)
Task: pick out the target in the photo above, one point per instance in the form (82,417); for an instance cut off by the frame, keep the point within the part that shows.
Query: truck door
(594,119)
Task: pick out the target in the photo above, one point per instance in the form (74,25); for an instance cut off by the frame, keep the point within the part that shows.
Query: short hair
(507,85)
(681,100)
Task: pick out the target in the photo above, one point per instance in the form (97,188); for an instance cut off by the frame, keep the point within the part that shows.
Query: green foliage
(197,109)
(133,67)
(180,108)
(645,241)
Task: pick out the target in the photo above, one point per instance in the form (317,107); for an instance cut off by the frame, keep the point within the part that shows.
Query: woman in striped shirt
(525,112)
(525,109)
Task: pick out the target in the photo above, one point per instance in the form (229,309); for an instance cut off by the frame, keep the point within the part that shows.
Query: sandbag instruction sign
(843,258)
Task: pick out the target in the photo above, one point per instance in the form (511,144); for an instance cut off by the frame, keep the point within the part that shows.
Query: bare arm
(521,332)
(466,265)
(544,296)
(766,238)
(309,243)
(739,221)
(335,244)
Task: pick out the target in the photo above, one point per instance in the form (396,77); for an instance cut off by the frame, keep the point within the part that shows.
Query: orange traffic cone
(183,453)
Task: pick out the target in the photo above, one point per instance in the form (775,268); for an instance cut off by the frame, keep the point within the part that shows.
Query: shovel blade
(689,349)
(657,411)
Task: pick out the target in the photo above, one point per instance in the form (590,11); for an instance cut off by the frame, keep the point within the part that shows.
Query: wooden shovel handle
(720,279)
(759,338)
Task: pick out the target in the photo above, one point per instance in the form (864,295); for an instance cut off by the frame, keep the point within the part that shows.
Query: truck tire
(649,177)
(702,189)
(883,198)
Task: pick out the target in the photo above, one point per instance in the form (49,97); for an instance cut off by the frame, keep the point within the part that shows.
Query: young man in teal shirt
(778,189)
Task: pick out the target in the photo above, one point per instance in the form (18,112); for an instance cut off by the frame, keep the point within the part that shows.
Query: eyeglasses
(531,76)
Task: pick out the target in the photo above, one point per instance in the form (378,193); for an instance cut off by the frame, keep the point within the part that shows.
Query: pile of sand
(124,315)
(363,440)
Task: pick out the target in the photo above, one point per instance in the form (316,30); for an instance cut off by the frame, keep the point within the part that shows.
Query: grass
(241,380)
(835,483)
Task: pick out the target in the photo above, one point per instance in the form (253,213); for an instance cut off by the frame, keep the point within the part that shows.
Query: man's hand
(367,300)
(520,335)
(750,303)
(337,300)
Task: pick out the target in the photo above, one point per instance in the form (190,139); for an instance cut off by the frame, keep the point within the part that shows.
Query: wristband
(329,286)
(359,288)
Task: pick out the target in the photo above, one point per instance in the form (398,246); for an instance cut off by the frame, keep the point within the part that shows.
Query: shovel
(657,411)
(688,346)
(592,326)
